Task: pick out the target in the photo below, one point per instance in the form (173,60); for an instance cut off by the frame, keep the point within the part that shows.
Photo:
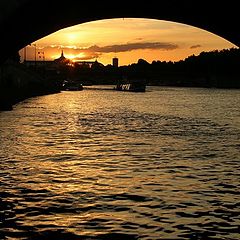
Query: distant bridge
(25,21)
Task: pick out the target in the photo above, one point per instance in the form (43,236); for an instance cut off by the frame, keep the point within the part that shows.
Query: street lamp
(35,54)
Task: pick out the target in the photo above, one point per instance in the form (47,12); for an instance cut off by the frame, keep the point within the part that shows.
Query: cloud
(196,46)
(86,57)
(95,51)
(133,46)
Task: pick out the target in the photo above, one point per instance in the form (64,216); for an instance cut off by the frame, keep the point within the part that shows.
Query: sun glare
(79,56)
(70,56)
(71,37)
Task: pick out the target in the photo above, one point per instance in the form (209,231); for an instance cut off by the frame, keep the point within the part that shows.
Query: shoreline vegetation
(215,69)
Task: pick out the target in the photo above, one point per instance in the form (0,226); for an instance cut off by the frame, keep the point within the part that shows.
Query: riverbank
(18,83)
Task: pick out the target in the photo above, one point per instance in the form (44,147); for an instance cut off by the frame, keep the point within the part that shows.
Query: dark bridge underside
(24,21)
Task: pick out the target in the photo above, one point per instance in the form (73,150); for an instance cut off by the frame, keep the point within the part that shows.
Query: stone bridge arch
(24,21)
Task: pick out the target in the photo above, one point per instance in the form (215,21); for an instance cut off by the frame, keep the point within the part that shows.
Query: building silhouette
(61,59)
(115,62)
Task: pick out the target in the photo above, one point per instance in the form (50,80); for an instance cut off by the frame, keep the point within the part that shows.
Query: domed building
(62,59)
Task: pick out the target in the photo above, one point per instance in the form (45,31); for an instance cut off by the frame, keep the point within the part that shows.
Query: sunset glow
(128,39)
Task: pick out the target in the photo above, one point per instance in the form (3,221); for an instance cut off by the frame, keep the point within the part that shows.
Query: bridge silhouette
(23,22)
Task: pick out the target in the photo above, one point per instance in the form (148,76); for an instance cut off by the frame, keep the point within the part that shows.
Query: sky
(128,39)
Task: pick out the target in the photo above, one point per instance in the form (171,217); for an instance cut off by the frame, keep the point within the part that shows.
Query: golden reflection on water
(97,162)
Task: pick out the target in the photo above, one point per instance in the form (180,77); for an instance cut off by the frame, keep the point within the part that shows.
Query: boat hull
(132,87)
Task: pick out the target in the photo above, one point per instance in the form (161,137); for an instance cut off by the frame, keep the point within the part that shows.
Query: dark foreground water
(93,164)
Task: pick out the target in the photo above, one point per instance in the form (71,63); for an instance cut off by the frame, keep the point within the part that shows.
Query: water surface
(164,164)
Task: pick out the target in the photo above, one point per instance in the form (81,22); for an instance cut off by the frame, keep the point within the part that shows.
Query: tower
(115,62)
(62,56)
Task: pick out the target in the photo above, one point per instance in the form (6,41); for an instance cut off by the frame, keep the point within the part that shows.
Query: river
(102,164)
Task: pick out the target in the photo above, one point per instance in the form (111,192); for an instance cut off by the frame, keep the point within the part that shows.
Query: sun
(70,56)
(80,55)
(76,57)
(71,37)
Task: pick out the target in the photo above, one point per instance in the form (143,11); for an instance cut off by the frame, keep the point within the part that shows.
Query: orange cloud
(134,46)
(96,51)
(195,46)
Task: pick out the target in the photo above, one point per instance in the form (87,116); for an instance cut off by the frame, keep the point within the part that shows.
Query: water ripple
(105,170)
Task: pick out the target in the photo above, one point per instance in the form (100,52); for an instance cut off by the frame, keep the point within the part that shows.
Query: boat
(133,85)
(72,86)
